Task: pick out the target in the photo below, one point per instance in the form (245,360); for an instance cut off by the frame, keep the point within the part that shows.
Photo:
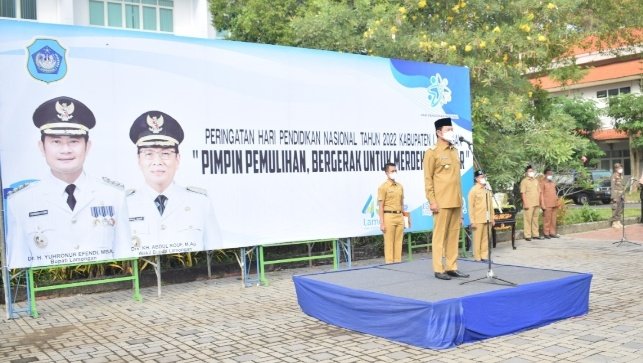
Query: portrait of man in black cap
(68,216)
(166,217)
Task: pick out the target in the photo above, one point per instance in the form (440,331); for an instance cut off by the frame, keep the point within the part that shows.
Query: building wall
(191,17)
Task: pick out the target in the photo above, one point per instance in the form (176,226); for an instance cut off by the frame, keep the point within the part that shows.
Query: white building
(180,17)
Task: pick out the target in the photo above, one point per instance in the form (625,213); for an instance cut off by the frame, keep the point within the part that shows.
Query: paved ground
(220,321)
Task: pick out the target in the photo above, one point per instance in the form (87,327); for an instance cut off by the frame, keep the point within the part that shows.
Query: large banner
(119,144)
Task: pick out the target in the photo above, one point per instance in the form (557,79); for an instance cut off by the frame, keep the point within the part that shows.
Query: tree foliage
(499,41)
(627,112)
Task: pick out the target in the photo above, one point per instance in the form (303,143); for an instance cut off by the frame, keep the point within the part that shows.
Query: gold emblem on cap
(155,123)
(65,110)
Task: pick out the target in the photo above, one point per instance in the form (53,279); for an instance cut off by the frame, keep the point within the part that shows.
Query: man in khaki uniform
(481,215)
(618,188)
(530,192)
(390,197)
(441,167)
(549,204)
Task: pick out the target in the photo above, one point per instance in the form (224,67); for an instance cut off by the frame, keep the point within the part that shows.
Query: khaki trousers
(394,227)
(549,221)
(480,241)
(446,233)
(530,218)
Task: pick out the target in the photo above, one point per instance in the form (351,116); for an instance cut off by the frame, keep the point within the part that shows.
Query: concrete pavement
(220,321)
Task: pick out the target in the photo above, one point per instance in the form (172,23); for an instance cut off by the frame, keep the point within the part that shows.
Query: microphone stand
(621,205)
(490,276)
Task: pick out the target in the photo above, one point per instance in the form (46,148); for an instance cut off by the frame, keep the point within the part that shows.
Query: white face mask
(449,136)
(620,171)
(482,181)
(393,175)
(550,177)
(531,174)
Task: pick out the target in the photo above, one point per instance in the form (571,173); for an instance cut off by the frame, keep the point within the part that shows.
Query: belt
(393,211)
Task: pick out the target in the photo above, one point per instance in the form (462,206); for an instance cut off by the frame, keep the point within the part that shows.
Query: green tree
(627,112)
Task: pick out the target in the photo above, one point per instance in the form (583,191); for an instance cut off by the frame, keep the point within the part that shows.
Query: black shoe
(484,260)
(456,273)
(546,236)
(527,239)
(442,276)
(539,237)
(554,235)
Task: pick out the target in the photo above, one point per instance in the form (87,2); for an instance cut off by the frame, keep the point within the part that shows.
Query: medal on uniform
(136,241)
(40,240)
(446,166)
(103,213)
(94,211)
(110,212)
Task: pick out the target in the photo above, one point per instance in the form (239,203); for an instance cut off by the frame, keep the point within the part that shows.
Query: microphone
(462,139)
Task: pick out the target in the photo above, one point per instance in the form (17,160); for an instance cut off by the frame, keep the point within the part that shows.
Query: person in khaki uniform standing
(441,167)
(390,196)
(549,204)
(616,183)
(480,203)
(530,192)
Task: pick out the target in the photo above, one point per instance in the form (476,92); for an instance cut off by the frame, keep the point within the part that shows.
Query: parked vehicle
(592,187)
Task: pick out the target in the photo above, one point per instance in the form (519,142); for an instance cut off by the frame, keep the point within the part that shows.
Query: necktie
(160,203)
(71,200)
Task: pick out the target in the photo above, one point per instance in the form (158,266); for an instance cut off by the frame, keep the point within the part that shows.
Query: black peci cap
(156,128)
(63,116)
(442,122)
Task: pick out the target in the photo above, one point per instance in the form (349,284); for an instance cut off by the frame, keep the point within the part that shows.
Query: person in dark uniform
(164,216)
(68,216)
(441,167)
(617,190)
(390,197)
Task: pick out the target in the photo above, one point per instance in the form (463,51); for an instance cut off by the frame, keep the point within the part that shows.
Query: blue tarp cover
(446,323)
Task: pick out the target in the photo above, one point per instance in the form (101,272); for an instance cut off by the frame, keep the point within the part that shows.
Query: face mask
(393,175)
(449,136)
(550,177)
(620,171)
(531,174)
(482,181)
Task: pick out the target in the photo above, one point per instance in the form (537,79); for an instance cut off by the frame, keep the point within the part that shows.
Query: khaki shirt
(392,194)
(478,196)
(548,190)
(529,186)
(616,182)
(442,176)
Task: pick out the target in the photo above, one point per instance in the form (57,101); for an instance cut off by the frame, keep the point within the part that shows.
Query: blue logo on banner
(439,91)
(46,61)
(370,213)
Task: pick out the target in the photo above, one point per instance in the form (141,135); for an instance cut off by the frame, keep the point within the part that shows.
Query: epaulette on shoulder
(130,192)
(113,183)
(20,188)
(197,190)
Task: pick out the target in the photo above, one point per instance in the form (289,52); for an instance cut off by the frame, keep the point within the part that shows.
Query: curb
(566,229)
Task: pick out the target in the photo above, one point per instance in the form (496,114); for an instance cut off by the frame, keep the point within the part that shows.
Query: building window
(612,92)
(154,15)
(21,9)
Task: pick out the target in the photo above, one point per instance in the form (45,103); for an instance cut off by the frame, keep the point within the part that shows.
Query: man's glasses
(163,155)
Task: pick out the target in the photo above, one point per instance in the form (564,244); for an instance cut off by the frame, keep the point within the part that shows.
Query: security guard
(530,192)
(481,215)
(68,217)
(443,191)
(390,196)
(165,217)
(618,188)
